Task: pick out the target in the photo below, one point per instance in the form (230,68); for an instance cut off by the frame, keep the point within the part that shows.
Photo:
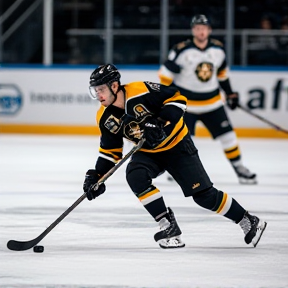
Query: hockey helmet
(104,74)
(199,19)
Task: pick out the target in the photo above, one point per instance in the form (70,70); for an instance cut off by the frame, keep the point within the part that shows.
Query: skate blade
(246,181)
(171,243)
(259,233)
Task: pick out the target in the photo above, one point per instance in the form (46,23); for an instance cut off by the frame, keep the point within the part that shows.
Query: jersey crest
(140,110)
(113,124)
(204,71)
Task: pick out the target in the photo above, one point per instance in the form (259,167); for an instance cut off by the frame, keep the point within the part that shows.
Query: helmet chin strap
(115,94)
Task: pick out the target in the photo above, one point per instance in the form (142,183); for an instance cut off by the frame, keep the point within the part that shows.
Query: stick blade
(21,245)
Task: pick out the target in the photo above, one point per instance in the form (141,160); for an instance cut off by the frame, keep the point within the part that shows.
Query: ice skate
(169,236)
(244,175)
(253,228)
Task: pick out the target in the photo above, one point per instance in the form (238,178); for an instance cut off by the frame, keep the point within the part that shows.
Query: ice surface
(109,242)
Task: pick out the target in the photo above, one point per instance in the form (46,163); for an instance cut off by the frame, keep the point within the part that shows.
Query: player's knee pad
(209,198)
(138,179)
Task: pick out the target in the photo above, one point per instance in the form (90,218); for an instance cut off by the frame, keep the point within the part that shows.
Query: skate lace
(245,224)
(164,224)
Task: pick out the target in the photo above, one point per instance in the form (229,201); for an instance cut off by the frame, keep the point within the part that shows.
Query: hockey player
(155,112)
(197,67)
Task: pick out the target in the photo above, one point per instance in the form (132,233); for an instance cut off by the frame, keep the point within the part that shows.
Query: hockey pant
(183,163)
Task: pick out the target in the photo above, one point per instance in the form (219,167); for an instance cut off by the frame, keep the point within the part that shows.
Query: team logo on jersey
(140,110)
(204,71)
(132,131)
(112,124)
(154,86)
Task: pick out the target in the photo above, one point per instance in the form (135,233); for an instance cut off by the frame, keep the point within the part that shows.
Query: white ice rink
(109,242)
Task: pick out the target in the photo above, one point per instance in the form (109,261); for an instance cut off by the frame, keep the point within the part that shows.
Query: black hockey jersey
(142,99)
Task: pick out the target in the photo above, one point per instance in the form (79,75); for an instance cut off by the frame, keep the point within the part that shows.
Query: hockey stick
(278,128)
(25,245)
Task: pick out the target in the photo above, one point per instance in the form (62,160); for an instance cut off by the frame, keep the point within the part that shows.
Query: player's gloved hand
(232,100)
(153,131)
(90,185)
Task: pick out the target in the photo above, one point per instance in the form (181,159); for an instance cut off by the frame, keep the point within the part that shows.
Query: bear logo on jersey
(204,71)
(133,132)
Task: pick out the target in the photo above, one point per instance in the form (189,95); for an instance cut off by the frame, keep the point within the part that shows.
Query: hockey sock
(230,146)
(220,203)
(140,182)
(233,154)
(153,202)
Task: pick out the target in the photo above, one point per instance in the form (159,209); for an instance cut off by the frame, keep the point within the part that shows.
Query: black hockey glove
(153,131)
(90,186)
(232,100)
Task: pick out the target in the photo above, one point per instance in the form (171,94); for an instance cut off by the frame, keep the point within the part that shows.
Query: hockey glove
(232,100)
(91,187)
(153,131)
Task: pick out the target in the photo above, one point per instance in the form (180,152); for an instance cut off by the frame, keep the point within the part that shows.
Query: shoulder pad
(135,89)
(217,42)
(182,45)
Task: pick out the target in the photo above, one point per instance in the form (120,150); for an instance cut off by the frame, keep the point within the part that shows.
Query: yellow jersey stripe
(176,97)
(173,133)
(165,80)
(173,143)
(138,88)
(99,114)
(204,102)
(112,153)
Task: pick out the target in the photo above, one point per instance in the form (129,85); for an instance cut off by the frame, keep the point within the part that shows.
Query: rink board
(57,101)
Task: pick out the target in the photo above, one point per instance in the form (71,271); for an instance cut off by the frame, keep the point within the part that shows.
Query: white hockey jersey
(196,73)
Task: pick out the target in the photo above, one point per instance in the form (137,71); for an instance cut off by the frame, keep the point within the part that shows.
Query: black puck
(38,249)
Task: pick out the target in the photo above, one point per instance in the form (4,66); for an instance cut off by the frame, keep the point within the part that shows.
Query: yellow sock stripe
(222,203)
(150,196)
(232,154)
(231,149)
(225,204)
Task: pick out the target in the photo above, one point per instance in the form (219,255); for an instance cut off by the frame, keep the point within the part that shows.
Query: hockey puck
(38,249)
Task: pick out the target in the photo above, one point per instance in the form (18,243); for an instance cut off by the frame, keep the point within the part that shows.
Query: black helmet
(104,74)
(199,19)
